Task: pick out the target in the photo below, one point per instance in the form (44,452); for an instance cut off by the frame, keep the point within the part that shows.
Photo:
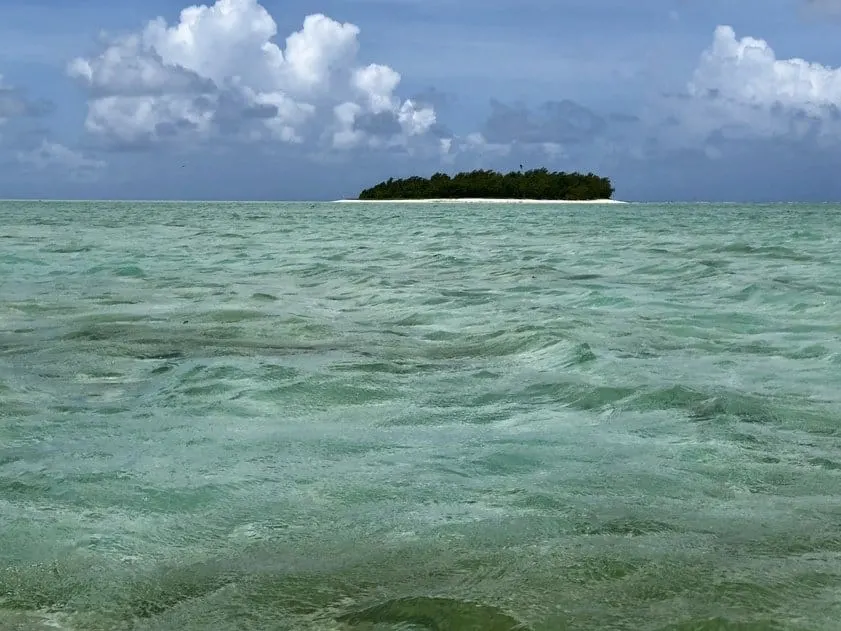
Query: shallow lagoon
(255,416)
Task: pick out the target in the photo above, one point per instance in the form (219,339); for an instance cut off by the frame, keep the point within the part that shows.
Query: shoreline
(478,200)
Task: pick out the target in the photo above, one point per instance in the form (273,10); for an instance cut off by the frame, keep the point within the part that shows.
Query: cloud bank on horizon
(216,102)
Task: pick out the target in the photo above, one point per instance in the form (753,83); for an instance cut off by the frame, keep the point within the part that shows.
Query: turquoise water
(316,416)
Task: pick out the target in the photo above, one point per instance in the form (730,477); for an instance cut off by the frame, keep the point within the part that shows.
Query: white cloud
(218,71)
(747,71)
(415,121)
(54,156)
(376,83)
(741,89)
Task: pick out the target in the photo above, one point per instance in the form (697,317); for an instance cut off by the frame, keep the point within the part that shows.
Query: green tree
(533,184)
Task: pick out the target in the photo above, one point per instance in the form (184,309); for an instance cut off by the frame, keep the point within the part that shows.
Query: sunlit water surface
(320,416)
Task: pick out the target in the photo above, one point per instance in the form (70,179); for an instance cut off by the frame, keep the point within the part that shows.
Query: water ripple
(254,416)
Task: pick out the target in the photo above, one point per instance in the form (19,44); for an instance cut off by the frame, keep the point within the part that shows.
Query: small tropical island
(536,184)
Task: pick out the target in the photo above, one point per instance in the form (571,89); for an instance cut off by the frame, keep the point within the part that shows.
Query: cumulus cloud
(747,71)
(218,72)
(741,89)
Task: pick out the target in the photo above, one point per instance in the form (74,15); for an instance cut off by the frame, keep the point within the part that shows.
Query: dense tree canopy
(534,184)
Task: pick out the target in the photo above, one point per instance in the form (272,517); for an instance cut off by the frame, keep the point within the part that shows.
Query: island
(536,184)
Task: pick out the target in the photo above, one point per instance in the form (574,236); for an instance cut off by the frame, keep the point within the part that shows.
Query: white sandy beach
(477,200)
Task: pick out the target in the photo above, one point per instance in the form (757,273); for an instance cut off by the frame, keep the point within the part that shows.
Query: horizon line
(397,201)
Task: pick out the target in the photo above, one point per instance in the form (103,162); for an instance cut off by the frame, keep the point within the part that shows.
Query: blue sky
(672,99)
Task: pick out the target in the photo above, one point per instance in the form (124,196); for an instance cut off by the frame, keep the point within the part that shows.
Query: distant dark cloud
(435,98)
(14,104)
(55,157)
(22,125)
(382,124)
(759,169)
(620,117)
(824,7)
(561,122)
(173,128)
(234,115)
(439,130)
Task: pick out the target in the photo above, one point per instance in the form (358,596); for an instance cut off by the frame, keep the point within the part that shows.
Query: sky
(674,100)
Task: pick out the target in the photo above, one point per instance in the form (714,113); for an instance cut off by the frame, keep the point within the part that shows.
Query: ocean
(456,417)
